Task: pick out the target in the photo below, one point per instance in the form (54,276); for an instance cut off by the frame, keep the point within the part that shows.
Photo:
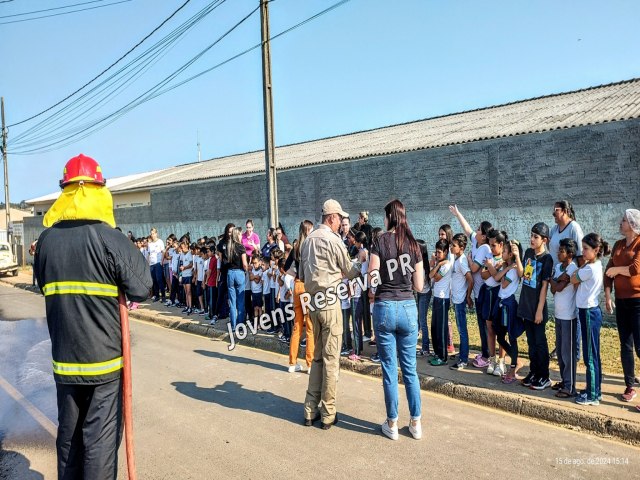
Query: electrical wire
(50,9)
(167,79)
(250,49)
(106,69)
(64,13)
(157,90)
(122,75)
(117,80)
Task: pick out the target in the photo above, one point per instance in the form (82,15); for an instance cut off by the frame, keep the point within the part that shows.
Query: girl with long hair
(236,262)
(396,261)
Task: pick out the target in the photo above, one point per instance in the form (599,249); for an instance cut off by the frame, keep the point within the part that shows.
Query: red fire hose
(126,387)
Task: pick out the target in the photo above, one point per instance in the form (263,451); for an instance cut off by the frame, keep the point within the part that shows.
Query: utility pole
(269,145)
(6,173)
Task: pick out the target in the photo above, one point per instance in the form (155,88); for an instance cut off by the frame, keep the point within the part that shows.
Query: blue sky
(367,64)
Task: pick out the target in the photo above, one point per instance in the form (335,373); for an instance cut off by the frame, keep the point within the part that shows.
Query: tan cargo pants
(323,381)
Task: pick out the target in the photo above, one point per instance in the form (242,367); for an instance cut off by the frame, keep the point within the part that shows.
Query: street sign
(17,229)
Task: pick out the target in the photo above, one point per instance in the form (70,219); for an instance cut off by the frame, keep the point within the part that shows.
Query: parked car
(8,262)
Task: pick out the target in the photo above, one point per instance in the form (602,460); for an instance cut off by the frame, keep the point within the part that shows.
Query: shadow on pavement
(15,465)
(234,395)
(240,359)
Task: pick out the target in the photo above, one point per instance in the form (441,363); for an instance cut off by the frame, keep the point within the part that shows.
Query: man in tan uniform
(324,262)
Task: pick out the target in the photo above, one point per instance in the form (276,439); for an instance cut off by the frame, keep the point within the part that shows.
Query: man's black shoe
(308,422)
(327,426)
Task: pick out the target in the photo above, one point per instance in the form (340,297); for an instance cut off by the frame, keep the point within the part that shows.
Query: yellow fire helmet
(82,201)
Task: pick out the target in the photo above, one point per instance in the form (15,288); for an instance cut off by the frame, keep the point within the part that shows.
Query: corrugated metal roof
(112,183)
(605,103)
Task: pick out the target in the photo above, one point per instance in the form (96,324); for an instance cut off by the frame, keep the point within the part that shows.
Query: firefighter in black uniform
(81,261)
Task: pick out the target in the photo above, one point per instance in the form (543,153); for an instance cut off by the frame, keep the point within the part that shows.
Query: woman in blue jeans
(396,268)
(235,256)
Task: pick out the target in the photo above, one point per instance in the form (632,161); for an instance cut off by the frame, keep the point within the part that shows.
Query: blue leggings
(591,322)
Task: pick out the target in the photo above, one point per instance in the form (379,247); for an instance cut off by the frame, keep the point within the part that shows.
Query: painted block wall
(512,182)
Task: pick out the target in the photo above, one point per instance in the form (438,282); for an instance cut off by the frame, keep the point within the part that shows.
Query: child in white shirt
(345,304)
(441,275)
(266,290)
(564,300)
(186,271)
(588,278)
(198,260)
(286,297)
(461,291)
(255,277)
(506,323)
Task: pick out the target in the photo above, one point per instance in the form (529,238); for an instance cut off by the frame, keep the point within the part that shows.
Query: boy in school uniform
(285,296)
(564,299)
(266,290)
(200,257)
(461,291)
(211,281)
(532,308)
(441,275)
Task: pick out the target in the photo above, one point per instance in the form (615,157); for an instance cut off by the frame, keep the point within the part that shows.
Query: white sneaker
(391,432)
(499,370)
(309,371)
(416,432)
(491,367)
(295,368)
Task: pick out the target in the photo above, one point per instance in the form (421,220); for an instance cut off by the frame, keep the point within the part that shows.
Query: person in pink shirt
(250,239)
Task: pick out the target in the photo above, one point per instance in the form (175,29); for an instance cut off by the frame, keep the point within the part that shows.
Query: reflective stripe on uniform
(80,288)
(87,369)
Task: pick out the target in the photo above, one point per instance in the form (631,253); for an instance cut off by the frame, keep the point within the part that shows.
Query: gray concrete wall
(512,182)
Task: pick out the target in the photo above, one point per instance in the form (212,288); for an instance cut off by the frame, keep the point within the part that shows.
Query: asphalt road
(202,412)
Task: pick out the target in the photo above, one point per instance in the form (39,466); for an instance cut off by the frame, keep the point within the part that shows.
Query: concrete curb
(596,423)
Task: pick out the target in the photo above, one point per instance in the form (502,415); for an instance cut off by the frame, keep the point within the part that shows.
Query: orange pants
(300,321)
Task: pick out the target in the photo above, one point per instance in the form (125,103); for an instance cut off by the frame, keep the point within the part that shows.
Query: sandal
(557,386)
(508,380)
(563,394)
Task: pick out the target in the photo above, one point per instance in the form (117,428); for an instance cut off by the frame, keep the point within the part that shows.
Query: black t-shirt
(367,229)
(536,270)
(292,261)
(236,261)
(400,287)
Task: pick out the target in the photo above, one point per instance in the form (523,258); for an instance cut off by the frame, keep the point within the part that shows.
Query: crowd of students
(507,283)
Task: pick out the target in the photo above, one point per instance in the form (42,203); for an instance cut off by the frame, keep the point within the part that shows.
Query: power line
(158,85)
(138,66)
(106,69)
(250,49)
(50,9)
(91,127)
(65,13)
